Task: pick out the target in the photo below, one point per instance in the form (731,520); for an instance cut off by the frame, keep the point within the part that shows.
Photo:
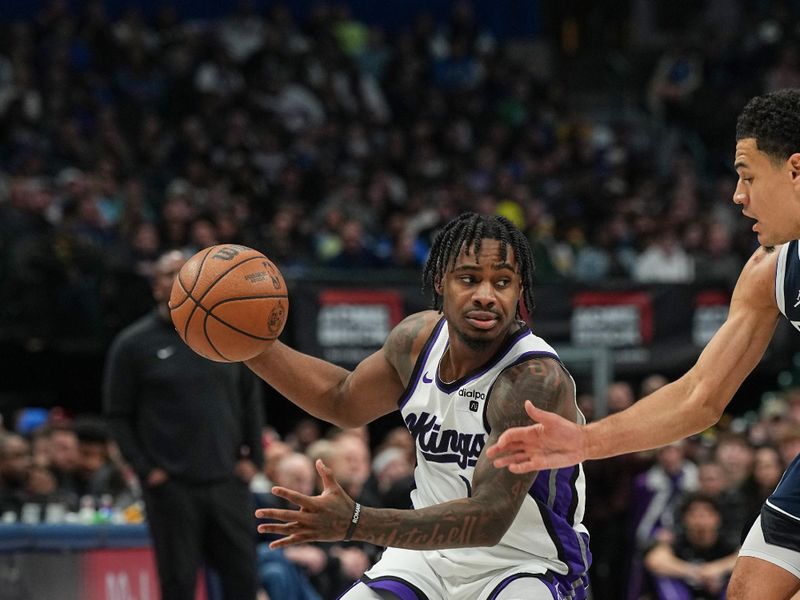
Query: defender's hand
(323,518)
(550,443)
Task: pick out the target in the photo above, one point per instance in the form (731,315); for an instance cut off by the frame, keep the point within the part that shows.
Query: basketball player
(459,376)
(768,164)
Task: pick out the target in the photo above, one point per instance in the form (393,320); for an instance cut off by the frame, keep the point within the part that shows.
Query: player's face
(480,294)
(768,192)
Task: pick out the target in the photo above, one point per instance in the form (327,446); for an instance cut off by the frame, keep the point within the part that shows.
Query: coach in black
(191,429)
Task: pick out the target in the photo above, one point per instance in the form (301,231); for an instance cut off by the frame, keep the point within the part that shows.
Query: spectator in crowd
(304,433)
(664,261)
(253,126)
(350,461)
(288,573)
(610,520)
(656,496)
(63,458)
(40,447)
(392,474)
(696,562)
(15,468)
(774,419)
(732,501)
(97,475)
(191,429)
(41,489)
(768,467)
(717,262)
(619,396)
(735,454)
(788,442)
(356,250)
(274,453)
(651,383)
(324,450)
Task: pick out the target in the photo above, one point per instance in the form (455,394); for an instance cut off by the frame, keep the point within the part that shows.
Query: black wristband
(353,522)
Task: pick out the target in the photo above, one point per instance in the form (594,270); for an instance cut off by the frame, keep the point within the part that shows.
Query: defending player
(459,379)
(768,164)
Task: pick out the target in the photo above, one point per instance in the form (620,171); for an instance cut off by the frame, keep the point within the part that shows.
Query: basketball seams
(208,338)
(256,297)
(211,285)
(245,333)
(224,273)
(210,312)
(183,287)
(189,290)
(189,320)
(214,286)
(199,270)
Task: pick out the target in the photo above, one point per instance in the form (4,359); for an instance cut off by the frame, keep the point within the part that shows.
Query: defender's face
(768,192)
(480,294)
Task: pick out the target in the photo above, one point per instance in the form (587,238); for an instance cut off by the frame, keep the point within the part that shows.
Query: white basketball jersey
(449,427)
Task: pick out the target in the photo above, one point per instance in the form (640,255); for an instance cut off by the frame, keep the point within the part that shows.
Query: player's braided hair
(467,231)
(773,120)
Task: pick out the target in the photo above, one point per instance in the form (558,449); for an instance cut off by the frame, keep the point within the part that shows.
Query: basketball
(229,302)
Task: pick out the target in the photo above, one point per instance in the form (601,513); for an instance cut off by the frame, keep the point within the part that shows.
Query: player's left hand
(323,518)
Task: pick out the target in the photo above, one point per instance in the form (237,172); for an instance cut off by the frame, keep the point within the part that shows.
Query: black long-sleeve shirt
(172,409)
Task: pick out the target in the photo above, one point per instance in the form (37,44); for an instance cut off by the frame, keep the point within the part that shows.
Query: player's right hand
(323,518)
(551,442)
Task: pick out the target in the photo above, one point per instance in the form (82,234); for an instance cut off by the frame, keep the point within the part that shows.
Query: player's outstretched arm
(682,408)
(347,398)
(481,518)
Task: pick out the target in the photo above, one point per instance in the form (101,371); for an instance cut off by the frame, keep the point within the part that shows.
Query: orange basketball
(229,302)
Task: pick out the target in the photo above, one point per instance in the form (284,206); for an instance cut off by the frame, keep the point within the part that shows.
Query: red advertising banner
(710,312)
(125,574)
(353,323)
(612,319)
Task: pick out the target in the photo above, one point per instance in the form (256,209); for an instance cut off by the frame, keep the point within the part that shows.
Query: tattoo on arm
(480,520)
(399,346)
(543,381)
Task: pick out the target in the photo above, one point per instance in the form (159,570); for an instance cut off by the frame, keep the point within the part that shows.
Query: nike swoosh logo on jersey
(426,379)
(165,353)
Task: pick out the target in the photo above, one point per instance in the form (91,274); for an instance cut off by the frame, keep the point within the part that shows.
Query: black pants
(211,524)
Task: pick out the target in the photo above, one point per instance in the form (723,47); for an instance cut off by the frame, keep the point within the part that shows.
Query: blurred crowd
(677,513)
(329,142)
(676,516)
(332,142)
(58,469)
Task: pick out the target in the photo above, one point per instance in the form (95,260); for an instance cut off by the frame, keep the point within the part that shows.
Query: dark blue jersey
(786,497)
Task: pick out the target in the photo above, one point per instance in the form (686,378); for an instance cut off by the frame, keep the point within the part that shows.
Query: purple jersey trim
(449,388)
(546,579)
(569,548)
(402,589)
